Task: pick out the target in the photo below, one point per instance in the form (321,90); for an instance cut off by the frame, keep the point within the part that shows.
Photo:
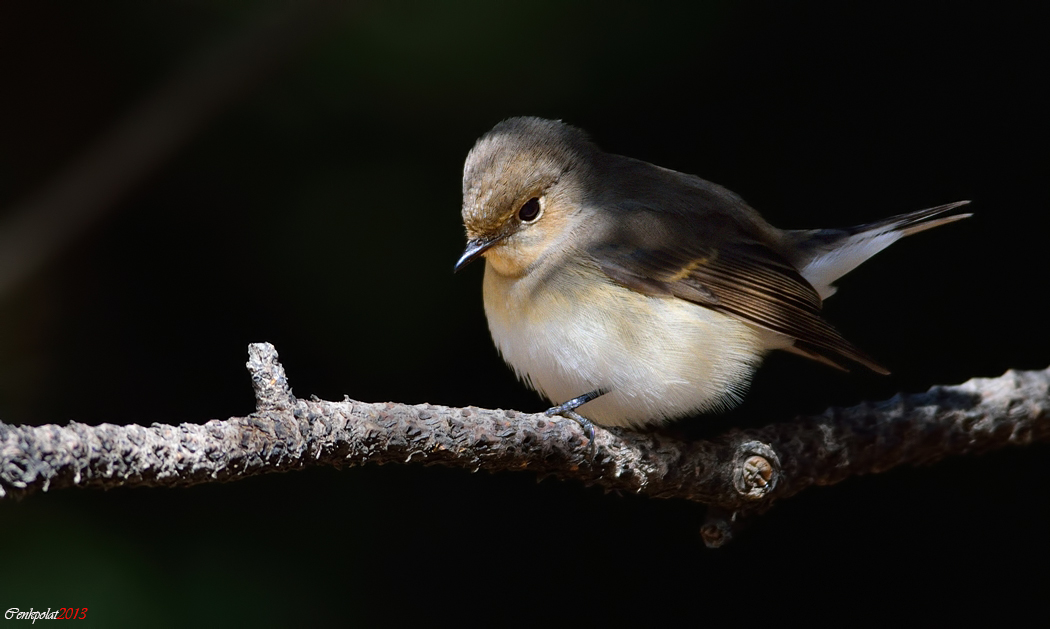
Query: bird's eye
(530,211)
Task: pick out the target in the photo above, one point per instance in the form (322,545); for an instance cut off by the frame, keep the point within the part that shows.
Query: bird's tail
(824,255)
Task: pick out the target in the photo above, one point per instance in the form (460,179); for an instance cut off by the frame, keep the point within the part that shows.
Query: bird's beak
(474,249)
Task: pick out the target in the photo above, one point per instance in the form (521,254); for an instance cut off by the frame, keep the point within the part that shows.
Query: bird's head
(522,189)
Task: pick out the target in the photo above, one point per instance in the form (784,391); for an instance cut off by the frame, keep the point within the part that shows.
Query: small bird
(638,294)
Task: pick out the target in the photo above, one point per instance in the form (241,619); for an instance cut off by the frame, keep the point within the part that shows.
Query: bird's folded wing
(740,276)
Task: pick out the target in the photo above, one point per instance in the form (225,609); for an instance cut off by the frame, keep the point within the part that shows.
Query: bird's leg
(568,409)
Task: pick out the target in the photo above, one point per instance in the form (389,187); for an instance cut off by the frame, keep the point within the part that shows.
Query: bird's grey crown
(526,138)
(517,158)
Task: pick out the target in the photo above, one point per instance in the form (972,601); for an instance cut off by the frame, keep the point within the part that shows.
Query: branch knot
(756,470)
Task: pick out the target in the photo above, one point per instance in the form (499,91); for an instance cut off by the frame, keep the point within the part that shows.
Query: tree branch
(739,473)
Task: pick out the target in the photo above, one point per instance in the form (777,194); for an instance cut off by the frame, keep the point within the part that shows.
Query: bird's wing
(659,253)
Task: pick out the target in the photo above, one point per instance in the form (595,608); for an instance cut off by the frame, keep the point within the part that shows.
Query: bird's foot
(568,410)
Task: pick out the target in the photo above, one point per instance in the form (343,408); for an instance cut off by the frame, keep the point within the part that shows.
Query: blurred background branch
(36,229)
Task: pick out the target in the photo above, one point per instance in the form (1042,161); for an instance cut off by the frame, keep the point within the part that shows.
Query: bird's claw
(567,410)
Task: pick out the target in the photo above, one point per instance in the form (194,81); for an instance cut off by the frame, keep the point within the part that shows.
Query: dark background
(319,210)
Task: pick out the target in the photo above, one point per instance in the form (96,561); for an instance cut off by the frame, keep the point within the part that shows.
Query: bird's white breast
(575,331)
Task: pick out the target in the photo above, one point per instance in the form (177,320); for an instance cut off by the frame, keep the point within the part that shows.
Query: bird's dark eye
(530,210)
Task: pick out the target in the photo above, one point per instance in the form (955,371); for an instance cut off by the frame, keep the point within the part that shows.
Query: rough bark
(739,473)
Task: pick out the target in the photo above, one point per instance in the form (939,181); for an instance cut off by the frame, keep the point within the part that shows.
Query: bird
(632,295)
